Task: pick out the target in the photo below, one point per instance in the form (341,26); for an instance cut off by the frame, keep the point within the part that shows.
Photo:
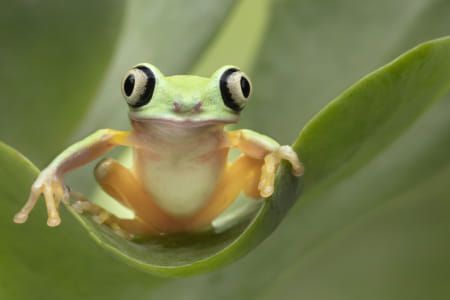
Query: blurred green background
(380,233)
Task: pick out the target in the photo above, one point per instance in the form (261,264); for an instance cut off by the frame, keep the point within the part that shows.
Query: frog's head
(186,99)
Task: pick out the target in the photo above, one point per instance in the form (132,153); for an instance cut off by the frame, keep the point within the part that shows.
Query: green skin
(183,123)
(187,90)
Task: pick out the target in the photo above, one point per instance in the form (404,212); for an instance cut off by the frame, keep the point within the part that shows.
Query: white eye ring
(138,86)
(235,88)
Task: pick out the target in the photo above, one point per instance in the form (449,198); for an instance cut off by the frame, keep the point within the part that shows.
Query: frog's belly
(180,186)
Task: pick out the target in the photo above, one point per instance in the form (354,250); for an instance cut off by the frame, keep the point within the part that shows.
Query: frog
(181,177)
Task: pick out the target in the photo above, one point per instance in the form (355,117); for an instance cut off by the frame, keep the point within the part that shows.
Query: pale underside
(180,165)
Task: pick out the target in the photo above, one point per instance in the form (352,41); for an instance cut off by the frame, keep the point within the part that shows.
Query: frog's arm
(88,149)
(50,183)
(260,146)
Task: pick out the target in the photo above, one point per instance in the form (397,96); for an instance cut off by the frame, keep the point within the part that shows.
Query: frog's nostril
(198,106)
(176,106)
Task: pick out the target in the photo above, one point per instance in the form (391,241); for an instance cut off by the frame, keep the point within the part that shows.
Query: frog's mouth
(182,122)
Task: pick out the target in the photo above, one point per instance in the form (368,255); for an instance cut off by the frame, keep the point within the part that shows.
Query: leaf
(403,241)
(369,115)
(187,254)
(246,33)
(51,65)
(331,45)
(40,114)
(313,50)
(61,263)
(167,256)
(369,103)
(184,254)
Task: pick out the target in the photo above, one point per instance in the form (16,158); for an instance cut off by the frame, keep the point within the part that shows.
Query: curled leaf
(345,134)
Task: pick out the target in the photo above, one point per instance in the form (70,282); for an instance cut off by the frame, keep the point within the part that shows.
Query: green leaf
(187,254)
(168,256)
(190,253)
(53,56)
(329,46)
(417,78)
(404,241)
(365,118)
(39,262)
(347,215)
(312,51)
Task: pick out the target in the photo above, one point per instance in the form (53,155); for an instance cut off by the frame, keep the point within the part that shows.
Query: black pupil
(245,87)
(129,85)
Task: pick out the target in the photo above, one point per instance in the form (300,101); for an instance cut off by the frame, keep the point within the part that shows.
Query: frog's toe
(266,183)
(120,231)
(298,171)
(21,217)
(268,171)
(53,221)
(266,191)
(81,204)
(102,217)
(287,153)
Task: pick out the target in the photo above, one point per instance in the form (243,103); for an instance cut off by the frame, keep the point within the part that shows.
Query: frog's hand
(49,182)
(260,146)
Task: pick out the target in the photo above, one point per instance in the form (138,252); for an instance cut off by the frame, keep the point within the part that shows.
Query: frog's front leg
(252,173)
(260,146)
(50,181)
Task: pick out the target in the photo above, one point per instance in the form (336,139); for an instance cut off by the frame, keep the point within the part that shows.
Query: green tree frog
(181,178)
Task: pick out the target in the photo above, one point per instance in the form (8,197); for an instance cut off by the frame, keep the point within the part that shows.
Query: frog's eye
(235,88)
(138,86)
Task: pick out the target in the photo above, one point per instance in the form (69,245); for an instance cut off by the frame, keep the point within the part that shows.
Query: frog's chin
(183,122)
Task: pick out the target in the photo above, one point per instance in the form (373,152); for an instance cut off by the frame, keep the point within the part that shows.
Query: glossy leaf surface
(345,226)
